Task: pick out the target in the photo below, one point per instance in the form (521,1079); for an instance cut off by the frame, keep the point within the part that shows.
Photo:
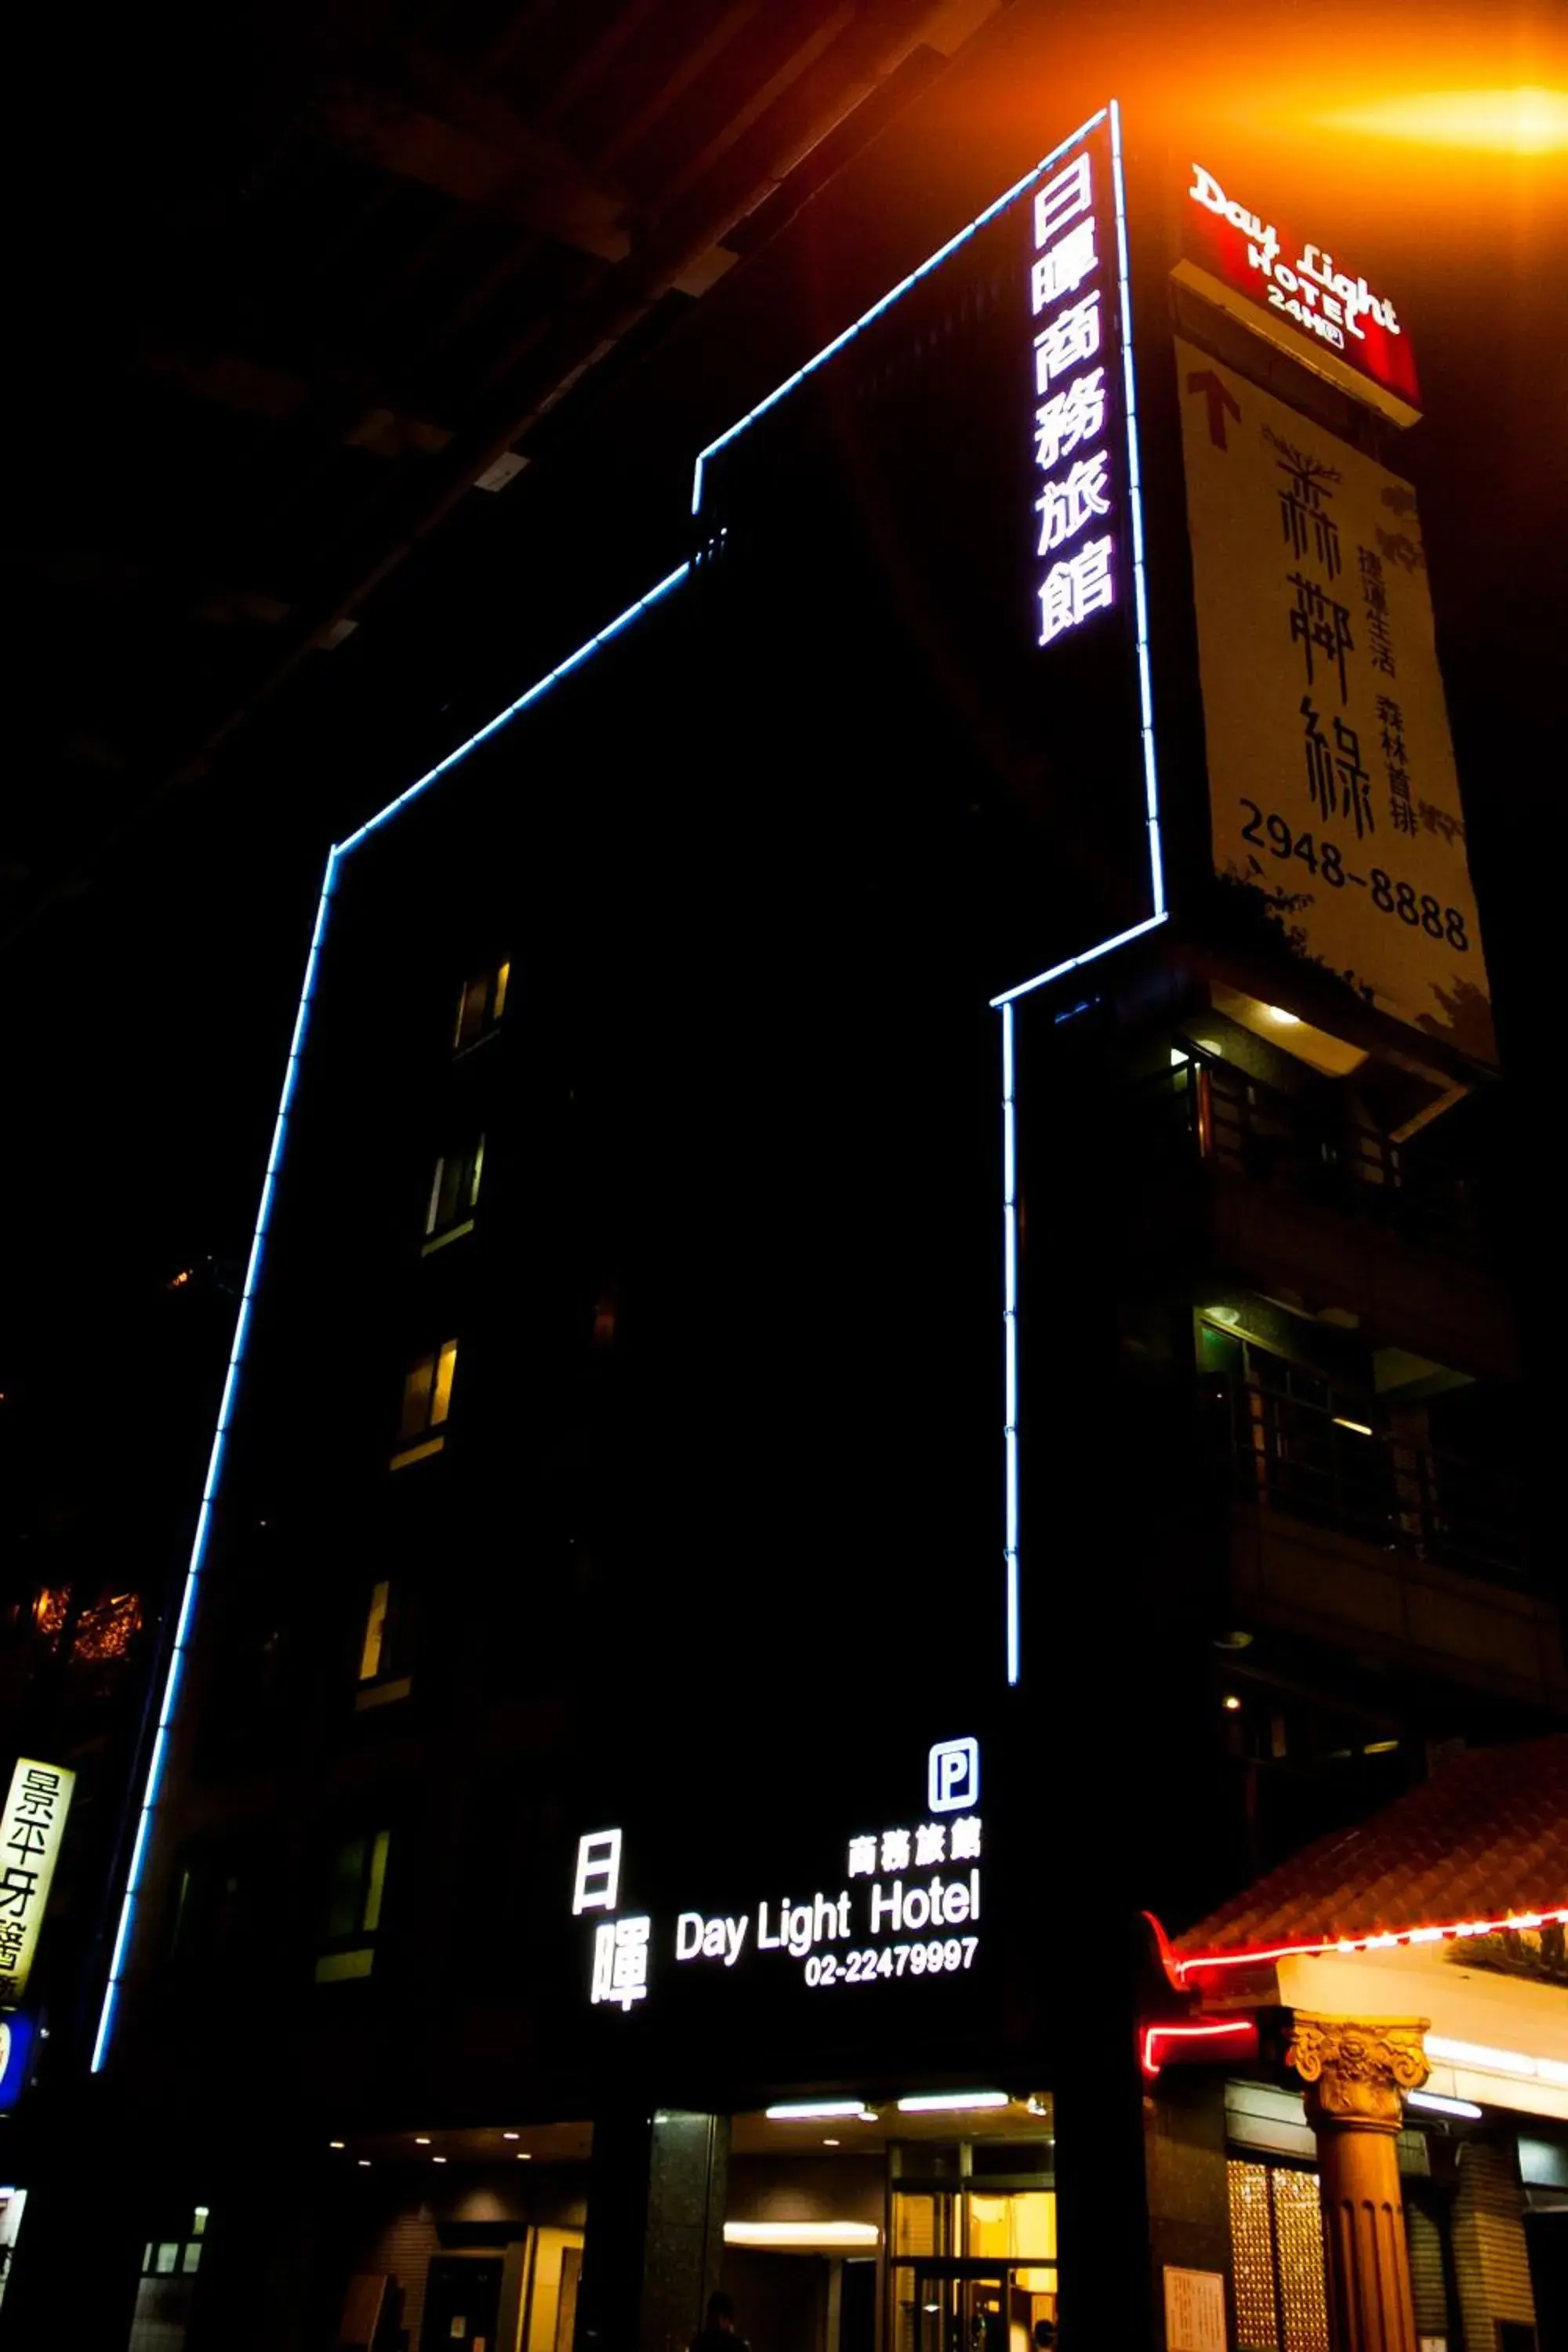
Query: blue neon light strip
(220,1440)
(1135,501)
(175,1674)
(1005,1001)
(538,689)
(894,293)
(1010,1334)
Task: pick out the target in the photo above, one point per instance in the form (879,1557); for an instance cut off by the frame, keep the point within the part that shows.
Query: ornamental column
(1356,2070)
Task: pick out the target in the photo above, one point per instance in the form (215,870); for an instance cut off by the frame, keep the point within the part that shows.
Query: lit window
(374,1633)
(453,1195)
(480,1006)
(426,1402)
(163,2258)
(382,1675)
(356,1890)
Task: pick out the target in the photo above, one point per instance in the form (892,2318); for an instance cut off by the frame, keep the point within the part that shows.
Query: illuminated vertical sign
(1072,289)
(30,1833)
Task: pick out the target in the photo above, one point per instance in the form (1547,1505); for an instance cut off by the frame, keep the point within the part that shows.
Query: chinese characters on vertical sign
(1075,305)
(619,1973)
(30,1833)
(1332,782)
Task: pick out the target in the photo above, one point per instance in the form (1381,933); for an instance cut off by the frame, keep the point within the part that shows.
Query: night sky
(146,1015)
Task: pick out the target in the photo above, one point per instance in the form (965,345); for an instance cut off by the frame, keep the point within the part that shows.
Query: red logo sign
(1301,283)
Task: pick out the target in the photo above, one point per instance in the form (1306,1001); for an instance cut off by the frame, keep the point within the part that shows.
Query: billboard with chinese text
(1333,790)
(30,1833)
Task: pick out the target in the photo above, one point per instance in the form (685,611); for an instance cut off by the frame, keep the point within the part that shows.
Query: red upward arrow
(1219,401)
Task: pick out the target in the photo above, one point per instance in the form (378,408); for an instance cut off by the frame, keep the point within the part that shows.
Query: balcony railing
(1217,1114)
(1325,1467)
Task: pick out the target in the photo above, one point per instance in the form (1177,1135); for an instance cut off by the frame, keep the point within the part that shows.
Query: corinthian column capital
(1358,2069)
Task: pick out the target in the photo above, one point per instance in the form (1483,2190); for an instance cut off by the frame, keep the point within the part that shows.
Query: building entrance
(462,2304)
(971,2306)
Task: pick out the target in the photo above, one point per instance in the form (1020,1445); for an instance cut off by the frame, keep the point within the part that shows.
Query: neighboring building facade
(870,1349)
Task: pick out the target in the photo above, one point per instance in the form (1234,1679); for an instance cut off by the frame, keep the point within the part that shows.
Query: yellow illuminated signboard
(1332,790)
(30,1833)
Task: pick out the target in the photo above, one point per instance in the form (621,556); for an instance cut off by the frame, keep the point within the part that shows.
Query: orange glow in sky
(1531,121)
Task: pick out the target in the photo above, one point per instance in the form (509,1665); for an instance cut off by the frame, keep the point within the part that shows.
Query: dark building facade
(864,1360)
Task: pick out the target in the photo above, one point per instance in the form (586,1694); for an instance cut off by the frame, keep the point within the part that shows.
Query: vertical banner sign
(1332,791)
(30,1833)
(1080,487)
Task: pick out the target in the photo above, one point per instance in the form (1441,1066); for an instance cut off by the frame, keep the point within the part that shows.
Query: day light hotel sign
(1299,291)
(904,1902)
(30,1832)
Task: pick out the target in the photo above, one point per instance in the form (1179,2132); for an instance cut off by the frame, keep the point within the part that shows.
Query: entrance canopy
(1451,1904)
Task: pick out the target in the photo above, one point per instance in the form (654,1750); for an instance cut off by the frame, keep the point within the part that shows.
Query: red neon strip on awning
(1382,1940)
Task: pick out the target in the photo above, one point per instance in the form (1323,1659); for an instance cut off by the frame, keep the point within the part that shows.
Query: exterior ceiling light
(1481,2056)
(809,2234)
(1440,2106)
(805,2111)
(931,2102)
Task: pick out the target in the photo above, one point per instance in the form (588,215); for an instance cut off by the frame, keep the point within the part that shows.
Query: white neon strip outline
(540,687)
(1010,1337)
(1005,1001)
(1135,504)
(886,303)
(175,1672)
(174,1676)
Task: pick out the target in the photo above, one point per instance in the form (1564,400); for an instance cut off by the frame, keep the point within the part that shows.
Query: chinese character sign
(1079,482)
(30,1832)
(1332,783)
(891,1903)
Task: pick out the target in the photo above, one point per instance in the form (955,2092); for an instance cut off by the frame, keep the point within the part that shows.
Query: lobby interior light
(1441,2105)
(334,2143)
(931,2102)
(806,2111)
(810,2234)
(1361,1428)
(511,2135)
(1232,1704)
(421,2139)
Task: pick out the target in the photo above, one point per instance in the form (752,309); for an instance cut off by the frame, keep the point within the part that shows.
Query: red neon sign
(1301,285)
(1228,2037)
(1385,1940)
